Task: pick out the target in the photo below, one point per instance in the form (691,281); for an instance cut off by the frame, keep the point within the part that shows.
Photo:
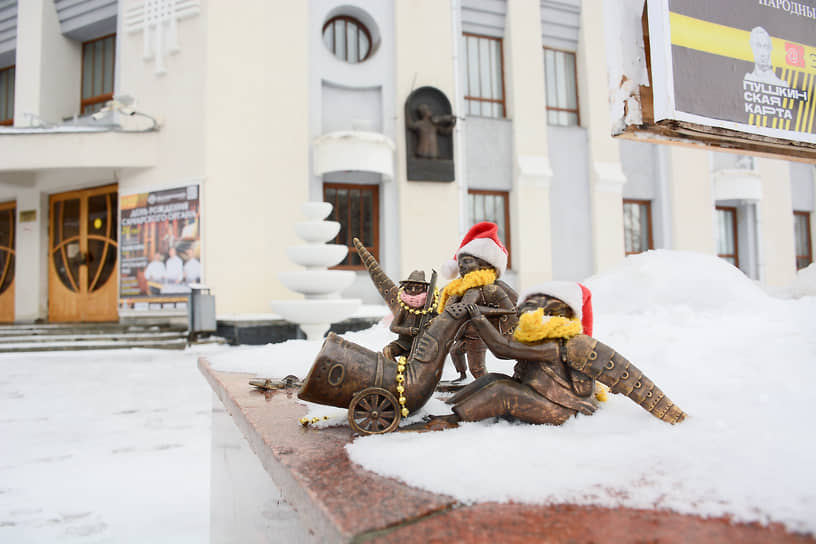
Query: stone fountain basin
(313,255)
(317,231)
(317,282)
(326,311)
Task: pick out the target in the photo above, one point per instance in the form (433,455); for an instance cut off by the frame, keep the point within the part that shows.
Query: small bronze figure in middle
(407,302)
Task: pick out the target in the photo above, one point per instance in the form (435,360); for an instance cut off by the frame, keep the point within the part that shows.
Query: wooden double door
(83,255)
(8,213)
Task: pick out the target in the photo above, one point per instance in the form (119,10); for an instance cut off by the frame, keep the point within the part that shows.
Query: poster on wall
(746,65)
(160,248)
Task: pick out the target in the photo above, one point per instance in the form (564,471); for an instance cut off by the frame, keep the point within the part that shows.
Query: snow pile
(662,277)
(739,362)
(804,285)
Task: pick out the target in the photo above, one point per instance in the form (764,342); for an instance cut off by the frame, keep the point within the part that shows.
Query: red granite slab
(563,524)
(339,501)
(335,498)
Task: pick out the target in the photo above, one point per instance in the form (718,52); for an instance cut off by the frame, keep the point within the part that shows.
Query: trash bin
(201,310)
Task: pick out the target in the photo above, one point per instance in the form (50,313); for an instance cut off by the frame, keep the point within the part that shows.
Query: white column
(777,249)
(532,172)
(48,65)
(606,173)
(691,199)
(31,264)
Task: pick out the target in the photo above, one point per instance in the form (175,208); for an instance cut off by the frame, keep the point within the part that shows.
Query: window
(637,226)
(7,95)
(484,88)
(493,206)
(357,209)
(727,234)
(562,87)
(804,248)
(347,38)
(98,57)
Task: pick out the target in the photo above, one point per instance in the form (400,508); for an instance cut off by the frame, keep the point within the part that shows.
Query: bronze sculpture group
(547,331)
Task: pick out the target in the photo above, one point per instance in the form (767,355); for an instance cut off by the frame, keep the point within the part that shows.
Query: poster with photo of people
(747,65)
(160,248)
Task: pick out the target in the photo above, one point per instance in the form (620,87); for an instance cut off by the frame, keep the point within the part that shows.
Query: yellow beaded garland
(305,421)
(415,311)
(402,361)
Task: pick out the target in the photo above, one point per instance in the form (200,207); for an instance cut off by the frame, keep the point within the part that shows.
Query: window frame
(100,98)
(503,100)
(375,221)
(650,234)
(10,93)
(577,110)
(360,26)
(809,255)
(508,238)
(735,256)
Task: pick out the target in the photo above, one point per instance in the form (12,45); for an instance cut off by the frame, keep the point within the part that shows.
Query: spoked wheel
(374,410)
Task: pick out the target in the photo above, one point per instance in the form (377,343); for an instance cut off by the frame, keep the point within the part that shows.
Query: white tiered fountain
(321,287)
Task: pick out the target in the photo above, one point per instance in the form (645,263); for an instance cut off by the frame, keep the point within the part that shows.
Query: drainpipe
(459,110)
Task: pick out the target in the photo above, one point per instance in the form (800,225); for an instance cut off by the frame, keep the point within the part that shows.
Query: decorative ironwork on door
(7,252)
(94,246)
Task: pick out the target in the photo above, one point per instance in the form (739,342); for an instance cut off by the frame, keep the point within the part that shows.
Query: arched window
(347,38)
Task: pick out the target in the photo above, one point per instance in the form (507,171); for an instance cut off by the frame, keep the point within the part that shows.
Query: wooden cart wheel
(374,410)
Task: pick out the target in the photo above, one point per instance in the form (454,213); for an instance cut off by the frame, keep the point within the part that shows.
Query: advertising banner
(160,248)
(747,65)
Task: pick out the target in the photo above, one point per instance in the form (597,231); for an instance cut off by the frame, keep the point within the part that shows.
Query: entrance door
(8,212)
(83,255)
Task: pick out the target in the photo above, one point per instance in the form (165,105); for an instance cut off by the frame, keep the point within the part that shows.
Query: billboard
(744,65)
(160,248)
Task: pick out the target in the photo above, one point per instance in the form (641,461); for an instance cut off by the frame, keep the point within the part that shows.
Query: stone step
(25,337)
(76,345)
(90,335)
(78,328)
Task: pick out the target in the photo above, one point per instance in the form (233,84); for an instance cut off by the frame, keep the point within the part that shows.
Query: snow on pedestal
(322,305)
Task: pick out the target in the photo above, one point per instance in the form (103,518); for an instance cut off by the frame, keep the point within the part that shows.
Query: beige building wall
(175,99)
(48,65)
(532,173)
(775,224)
(691,200)
(256,148)
(428,211)
(606,172)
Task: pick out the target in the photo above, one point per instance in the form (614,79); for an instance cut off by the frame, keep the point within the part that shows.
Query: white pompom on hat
(576,296)
(481,241)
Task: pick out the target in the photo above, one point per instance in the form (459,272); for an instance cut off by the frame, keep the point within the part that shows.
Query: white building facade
(248,109)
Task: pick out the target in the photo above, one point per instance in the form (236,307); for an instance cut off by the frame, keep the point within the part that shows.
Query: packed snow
(104,446)
(738,361)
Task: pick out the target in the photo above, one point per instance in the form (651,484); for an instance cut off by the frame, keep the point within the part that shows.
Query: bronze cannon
(348,375)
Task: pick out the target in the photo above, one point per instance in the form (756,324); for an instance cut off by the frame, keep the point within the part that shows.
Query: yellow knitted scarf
(532,328)
(457,287)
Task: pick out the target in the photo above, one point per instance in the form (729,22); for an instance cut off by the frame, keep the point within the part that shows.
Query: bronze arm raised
(385,285)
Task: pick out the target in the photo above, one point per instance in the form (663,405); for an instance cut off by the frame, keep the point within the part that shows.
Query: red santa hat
(575,295)
(481,241)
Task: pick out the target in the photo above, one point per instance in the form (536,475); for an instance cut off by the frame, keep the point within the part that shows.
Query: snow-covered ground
(104,446)
(114,446)
(742,364)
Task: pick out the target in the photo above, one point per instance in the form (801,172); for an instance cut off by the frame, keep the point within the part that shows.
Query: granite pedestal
(299,485)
